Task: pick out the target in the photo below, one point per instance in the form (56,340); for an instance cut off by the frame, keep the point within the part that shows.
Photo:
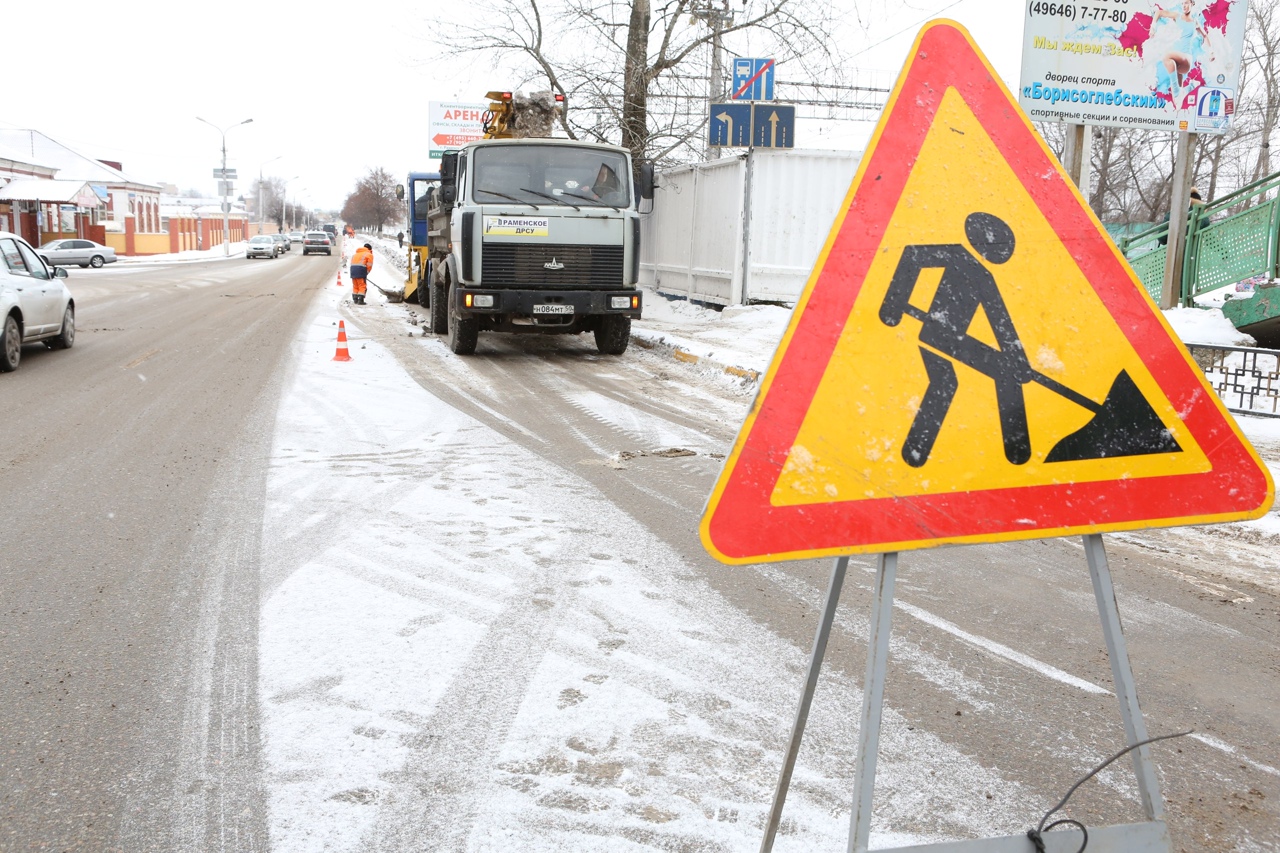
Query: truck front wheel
(613,334)
(463,333)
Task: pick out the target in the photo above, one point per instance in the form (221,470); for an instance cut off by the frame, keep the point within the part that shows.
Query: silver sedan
(85,253)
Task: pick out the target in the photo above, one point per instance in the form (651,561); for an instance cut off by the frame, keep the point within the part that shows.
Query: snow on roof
(32,146)
(35,189)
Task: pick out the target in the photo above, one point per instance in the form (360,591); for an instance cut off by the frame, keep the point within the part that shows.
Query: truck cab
(530,236)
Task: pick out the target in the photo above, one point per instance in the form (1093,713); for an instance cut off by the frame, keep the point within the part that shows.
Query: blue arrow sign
(753,79)
(773,126)
(730,125)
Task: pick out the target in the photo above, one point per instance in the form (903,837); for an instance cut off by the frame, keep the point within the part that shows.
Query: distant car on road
(330,229)
(295,236)
(35,304)
(282,242)
(316,241)
(262,246)
(85,253)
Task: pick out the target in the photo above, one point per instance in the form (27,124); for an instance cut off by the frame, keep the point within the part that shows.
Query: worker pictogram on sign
(1127,425)
(972,360)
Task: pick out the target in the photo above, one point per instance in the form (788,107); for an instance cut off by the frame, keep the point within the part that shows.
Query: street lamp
(260,217)
(226,203)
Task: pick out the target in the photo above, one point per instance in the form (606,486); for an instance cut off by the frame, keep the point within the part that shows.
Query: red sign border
(741,525)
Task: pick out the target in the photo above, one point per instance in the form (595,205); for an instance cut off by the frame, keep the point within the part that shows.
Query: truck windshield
(578,175)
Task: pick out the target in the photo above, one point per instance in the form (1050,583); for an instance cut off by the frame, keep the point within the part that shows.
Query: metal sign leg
(1135,729)
(864,772)
(806,699)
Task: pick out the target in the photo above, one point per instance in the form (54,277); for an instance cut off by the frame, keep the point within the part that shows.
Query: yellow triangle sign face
(971,359)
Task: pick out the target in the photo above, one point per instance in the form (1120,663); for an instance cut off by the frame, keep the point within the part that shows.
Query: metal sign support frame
(1150,836)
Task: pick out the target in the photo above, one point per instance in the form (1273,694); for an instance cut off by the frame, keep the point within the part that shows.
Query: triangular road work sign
(972,360)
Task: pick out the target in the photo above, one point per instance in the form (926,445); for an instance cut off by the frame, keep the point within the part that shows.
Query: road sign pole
(806,699)
(864,768)
(1135,730)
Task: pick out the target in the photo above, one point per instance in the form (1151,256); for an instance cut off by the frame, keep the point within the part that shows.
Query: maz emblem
(553,264)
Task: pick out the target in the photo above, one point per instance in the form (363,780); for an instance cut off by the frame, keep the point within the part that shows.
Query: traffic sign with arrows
(773,126)
(730,125)
(758,125)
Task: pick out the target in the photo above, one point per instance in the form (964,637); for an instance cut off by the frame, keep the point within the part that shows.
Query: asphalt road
(132,475)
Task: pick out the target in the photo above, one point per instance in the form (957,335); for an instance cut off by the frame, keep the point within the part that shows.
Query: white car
(86,253)
(262,246)
(35,304)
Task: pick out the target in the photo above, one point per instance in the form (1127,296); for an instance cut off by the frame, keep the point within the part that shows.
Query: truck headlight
(620,302)
(484,300)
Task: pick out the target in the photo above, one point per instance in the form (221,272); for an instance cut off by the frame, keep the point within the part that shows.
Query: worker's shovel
(392,295)
(1124,424)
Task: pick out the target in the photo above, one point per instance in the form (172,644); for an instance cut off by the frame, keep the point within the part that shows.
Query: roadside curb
(657,342)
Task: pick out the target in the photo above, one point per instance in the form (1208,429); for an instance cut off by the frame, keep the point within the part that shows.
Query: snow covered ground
(460,641)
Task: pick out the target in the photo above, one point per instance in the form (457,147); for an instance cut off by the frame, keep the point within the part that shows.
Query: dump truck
(527,234)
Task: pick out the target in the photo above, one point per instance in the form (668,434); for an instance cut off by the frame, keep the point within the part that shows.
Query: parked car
(295,236)
(262,246)
(86,253)
(35,304)
(316,241)
(282,243)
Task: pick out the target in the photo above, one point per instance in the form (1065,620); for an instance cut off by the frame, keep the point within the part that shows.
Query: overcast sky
(333,89)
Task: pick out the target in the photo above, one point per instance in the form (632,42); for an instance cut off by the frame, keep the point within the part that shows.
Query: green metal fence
(1234,238)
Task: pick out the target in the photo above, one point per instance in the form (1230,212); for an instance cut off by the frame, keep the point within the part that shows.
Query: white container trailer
(743,229)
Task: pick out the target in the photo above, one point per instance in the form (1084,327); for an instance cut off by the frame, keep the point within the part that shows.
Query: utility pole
(718,19)
(226,185)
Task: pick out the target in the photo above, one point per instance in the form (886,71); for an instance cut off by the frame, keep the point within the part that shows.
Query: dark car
(316,241)
(331,230)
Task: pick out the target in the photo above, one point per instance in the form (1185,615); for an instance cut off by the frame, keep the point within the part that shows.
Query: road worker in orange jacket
(361,263)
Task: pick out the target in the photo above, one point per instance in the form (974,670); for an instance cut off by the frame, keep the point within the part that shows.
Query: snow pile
(1206,326)
(742,336)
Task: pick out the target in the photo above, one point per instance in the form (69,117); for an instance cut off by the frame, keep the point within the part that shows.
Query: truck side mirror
(400,191)
(449,177)
(645,182)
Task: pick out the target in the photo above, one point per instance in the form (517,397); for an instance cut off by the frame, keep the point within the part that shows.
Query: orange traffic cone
(342,354)
(339,278)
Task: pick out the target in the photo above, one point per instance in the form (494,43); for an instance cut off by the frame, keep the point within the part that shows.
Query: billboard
(1167,65)
(451,125)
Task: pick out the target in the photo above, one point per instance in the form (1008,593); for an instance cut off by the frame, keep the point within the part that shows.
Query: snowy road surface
(255,600)
(487,622)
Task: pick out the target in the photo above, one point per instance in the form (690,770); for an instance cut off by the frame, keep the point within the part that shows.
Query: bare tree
(373,203)
(637,74)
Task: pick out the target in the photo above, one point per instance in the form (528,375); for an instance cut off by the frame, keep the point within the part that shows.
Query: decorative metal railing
(1246,379)
(1232,239)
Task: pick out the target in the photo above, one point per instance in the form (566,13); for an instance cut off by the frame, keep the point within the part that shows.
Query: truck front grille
(526,265)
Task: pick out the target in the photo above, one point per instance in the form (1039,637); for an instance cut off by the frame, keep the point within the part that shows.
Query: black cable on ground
(1035,834)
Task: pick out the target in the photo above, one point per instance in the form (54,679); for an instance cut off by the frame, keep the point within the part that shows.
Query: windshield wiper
(555,198)
(509,198)
(592,203)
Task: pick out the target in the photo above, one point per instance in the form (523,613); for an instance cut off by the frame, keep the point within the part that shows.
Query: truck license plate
(553,309)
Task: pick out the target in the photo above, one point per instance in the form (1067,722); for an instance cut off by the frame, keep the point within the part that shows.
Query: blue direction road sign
(752,79)
(773,126)
(730,125)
